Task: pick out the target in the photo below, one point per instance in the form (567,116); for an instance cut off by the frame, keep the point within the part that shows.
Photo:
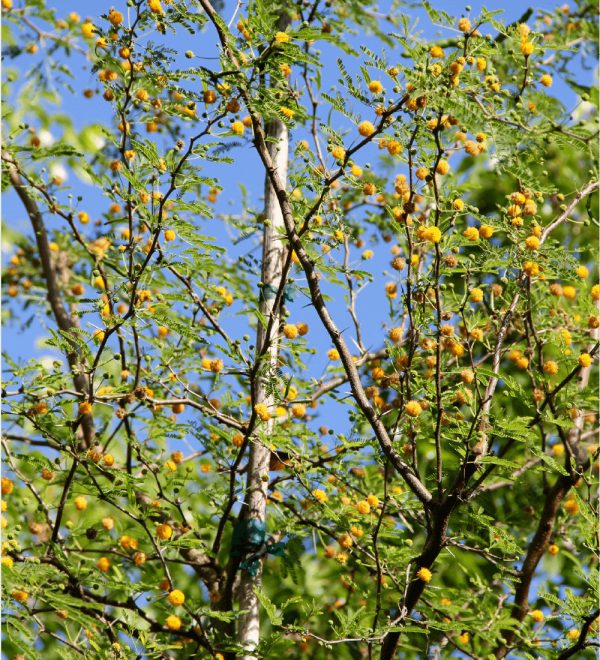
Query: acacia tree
(402,460)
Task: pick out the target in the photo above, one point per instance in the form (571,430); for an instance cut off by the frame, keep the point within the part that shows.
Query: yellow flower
(339,153)
(128,543)
(571,506)
(413,408)
(216,366)
(164,532)
(524,30)
(522,362)
(485,231)
(443,167)
(115,17)
(531,269)
(87,29)
(527,48)
(464,638)
(287,112)
(537,616)
(550,367)
(20,596)
(320,495)
(282,37)
(298,410)
(424,574)
(436,52)
(373,500)
(366,128)
(345,541)
(7,486)
(432,234)
(394,147)
(155,7)
(553,549)
(585,359)
(546,80)
(464,25)
(103,564)
(333,354)
(173,622)
(476,295)
(262,410)
(375,87)
(80,503)
(458,205)
(471,233)
(532,242)
(290,331)
(363,507)
(569,292)
(176,597)
(237,127)
(582,272)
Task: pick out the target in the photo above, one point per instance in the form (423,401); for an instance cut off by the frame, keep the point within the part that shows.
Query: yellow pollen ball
(424,574)
(476,295)
(103,564)
(464,25)
(262,410)
(164,532)
(173,622)
(176,597)
(413,409)
(290,331)
(363,507)
(550,367)
(366,128)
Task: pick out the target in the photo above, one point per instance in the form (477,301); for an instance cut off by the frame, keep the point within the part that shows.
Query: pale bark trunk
(273,255)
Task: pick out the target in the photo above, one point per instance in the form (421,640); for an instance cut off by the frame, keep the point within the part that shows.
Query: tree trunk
(273,255)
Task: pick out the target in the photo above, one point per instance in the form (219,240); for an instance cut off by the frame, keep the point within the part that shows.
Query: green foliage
(128,429)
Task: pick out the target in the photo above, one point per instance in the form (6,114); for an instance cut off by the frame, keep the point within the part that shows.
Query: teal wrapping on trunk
(249,544)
